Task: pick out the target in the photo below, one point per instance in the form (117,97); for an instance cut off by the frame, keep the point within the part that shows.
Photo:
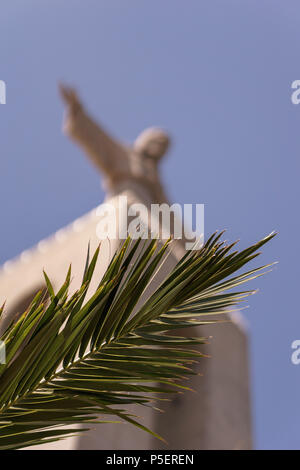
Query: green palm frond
(70,360)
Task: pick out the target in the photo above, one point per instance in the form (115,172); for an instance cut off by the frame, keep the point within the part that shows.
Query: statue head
(152,143)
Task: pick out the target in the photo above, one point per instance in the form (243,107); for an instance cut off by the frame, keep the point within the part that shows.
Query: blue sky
(217,74)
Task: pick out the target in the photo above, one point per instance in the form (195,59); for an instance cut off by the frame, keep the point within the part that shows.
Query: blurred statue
(122,167)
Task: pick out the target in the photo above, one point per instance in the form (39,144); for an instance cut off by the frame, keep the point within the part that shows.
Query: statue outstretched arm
(105,153)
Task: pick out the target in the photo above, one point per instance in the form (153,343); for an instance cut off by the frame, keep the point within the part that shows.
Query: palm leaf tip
(73,359)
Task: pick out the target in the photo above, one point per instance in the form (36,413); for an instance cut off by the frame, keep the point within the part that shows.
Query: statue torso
(136,173)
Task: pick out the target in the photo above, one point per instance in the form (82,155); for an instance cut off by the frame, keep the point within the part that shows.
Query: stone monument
(217,414)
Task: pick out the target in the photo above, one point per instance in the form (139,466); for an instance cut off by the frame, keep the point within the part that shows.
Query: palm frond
(71,360)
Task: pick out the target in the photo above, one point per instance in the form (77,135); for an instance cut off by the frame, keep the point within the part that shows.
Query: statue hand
(70,97)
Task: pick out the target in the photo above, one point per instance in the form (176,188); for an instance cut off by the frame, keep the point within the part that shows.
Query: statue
(136,167)
(132,171)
